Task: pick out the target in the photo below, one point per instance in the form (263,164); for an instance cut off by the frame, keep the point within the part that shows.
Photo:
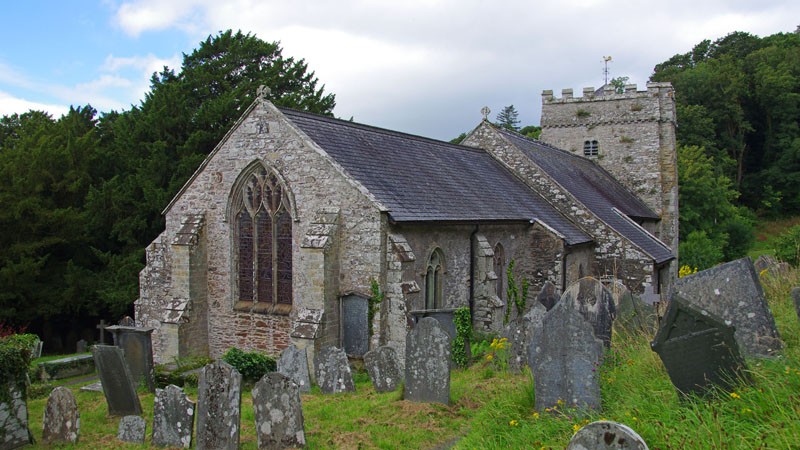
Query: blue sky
(419,66)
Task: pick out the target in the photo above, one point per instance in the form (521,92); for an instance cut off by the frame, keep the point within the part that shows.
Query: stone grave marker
(127,321)
(548,296)
(732,292)
(132,429)
(279,415)
(138,347)
(427,368)
(333,371)
(173,418)
(61,422)
(633,315)
(36,349)
(219,405)
(81,346)
(293,363)
(116,379)
(565,357)
(698,350)
(595,303)
(355,326)
(383,368)
(14,420)
(603,435)
(519,333)
(796,300)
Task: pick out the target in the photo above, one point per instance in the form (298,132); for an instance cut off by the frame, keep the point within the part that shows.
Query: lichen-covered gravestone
(132,429)
(565,357)
(595,303)
(427,363)
(548,296)
(219,406)
(294,364)
(333,371)
(279,413)
(733,292)
(173,418)
(61,421)
(698,350)
(633,315)
(519,333)
(383,368)
(13,417)
(115,376)
(603,434)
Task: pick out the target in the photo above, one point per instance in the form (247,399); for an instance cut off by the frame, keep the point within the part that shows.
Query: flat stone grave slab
(383,368)
(173,418)
(279,414)
(333,371)
(219,406)
(69,367)
(117,382)
(293,363)
(606,435)
(427,367)
(132,429)
(61,422)
(733,292)
(589,297)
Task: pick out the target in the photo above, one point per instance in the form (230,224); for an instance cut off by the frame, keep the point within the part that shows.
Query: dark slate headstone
(698,350)
(279,414)
(294,364)
(355,326)
(595,303)
(138,347)
(14,420)
(733,292)
(132,429)
(548,296)
(383,368)
(565,357)
(61,421)
(796,300)
(519,333)
(606,435)
(81,346)
(116,379)
(173,418)
(427,374)
(219,406)
(333,371)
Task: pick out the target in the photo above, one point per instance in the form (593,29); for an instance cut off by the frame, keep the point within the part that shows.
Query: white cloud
(11,105)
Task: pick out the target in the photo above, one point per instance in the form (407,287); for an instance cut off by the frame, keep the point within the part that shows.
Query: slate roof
(422,180)
(596,189)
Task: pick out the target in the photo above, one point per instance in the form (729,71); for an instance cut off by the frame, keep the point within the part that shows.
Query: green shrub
(15,359)
(463,323)
(787,246)
(699,251)
(252,365)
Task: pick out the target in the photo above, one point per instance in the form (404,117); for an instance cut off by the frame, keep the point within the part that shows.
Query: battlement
(608,92)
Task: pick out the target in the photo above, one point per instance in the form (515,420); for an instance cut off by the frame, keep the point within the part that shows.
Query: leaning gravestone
(548,296)
(565,357)
(603,434)
(61,421)
(796,300)
(138,347)
(132,429)
(219,403)
(595,303)
(279,414)
(117,382)
(173,418)
(383,368)
(294,364)
(698,350)
(427,377)
(13,417)
(732,292)
(333,371)
(519,333)
(633,315)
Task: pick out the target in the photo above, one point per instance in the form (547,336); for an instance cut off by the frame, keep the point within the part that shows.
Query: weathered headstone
(796,300)
(117,382)
(355,326)
(333,371)
(732,292)
(279,414)
(132,429)
(138,347)
(698,350)
(565,357)
(383,368)
(548,296)
(14,419)
(61,421)
(173,418)
(219,405)
(427,374)
(603,434)
(36,349)
(81,346)
(293,363)
(519,333)
(633,315)
(127,321)
(595,303)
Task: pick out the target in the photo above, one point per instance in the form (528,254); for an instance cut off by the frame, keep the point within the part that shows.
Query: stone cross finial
(485,111)
(263,91)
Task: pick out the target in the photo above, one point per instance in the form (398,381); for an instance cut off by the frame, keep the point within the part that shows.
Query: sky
(425,67)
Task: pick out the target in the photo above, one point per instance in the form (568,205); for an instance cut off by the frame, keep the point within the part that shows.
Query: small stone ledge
(58,369)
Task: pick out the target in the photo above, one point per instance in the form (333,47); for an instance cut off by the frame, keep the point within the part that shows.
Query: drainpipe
(567,251)
(472,272)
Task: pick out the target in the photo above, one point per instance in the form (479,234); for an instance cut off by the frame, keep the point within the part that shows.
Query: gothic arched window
(262,228)
(500,270)
(590,148)
(433,280)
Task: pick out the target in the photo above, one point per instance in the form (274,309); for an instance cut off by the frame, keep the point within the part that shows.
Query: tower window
(589,148)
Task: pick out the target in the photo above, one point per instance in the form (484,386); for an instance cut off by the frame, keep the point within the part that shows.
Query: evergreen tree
(508,118)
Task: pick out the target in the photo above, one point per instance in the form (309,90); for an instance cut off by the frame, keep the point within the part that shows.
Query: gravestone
(355,325)
(383,368)
(173,418)
(519,333)
(36,349)
(565,358)
(14,419)
(732,292)
(132,429)
(698,350)
(427,373)
(595,303)
(796,300)
(61,422)
(633,315)
(116,379)
(219,403)
(279,415)
(333,371)
(548,296)
(81,346)
(127,321)
(138,347)
(604,434)
(293,363)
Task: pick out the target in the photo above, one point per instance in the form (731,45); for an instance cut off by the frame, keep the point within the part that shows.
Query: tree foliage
(508,118)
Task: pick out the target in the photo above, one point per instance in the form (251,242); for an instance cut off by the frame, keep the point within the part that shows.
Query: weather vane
(606,60)
(485,111)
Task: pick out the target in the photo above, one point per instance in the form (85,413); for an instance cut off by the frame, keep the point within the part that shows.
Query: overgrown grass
(766,233)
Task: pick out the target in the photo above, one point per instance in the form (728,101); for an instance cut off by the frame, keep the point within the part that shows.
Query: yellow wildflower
(735,395)
(489,357)
(575,428)
(535,415)
(513,423)
(560,402)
